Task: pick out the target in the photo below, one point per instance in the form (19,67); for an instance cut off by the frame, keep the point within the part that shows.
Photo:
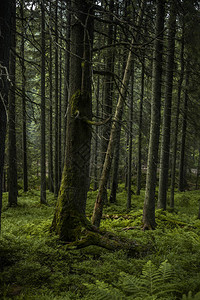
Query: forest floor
(35,266)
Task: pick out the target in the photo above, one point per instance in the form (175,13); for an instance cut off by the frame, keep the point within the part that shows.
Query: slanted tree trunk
(175,137)
(182,164)
(149,202)
(5,36)
(69,218)
(43,115)
(98,208)
(12,160)
(165,144)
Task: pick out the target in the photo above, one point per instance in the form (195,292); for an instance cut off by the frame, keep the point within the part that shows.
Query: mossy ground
(34,265)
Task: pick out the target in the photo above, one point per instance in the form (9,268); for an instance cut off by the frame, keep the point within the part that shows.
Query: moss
(75,102)
(79,105)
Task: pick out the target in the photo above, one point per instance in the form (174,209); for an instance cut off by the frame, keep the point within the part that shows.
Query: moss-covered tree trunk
(69,217)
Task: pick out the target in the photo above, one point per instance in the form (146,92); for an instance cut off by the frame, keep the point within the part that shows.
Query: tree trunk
(107,99)
(114,181)
(182,164)
(69,218)
(115,166)
(174,147)
(60,103)
(198,171)
(43,116)
(24,135)
(67,71)
(95,185)
(165,144)
(50,152)
(5,28)
(108,86)
(139,155)
(56,155)
(12,168)
(98,208)
(149,202)
(128,204)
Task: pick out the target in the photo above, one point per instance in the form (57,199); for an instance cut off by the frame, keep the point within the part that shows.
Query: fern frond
(103,291)
(190,297)
(153,282)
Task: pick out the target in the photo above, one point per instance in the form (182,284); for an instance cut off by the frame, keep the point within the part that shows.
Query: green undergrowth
(35,266)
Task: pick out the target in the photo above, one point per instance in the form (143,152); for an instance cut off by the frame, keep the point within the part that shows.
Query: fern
(190,297)
(103,291)
(153,281)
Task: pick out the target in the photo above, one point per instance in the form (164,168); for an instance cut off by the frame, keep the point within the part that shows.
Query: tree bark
(69,218)
(175,138)
(12,161)
(198,170)
(166,127)
(108,85)
(139,154)
(98,208)
(56,149)
(95,185)
(67,71)
(182,164)
(43,114)
(50,152)
(24,135)
(114,186)
(149,202)
(129,192)
(5,28)
(60,101)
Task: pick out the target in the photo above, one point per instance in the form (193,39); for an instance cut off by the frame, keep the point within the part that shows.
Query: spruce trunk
(69,218)
(149,202)
(165,144)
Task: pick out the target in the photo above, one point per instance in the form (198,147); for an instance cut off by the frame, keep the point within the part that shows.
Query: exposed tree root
(147,227)
(109,241)
(85,234)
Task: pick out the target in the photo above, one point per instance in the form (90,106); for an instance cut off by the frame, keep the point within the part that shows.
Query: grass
(34,265)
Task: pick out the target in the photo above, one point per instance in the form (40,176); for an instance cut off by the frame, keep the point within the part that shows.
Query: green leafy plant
(190,297)
(153,281)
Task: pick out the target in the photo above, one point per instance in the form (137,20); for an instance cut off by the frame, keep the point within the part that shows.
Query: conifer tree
(5,44)
(149,202)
